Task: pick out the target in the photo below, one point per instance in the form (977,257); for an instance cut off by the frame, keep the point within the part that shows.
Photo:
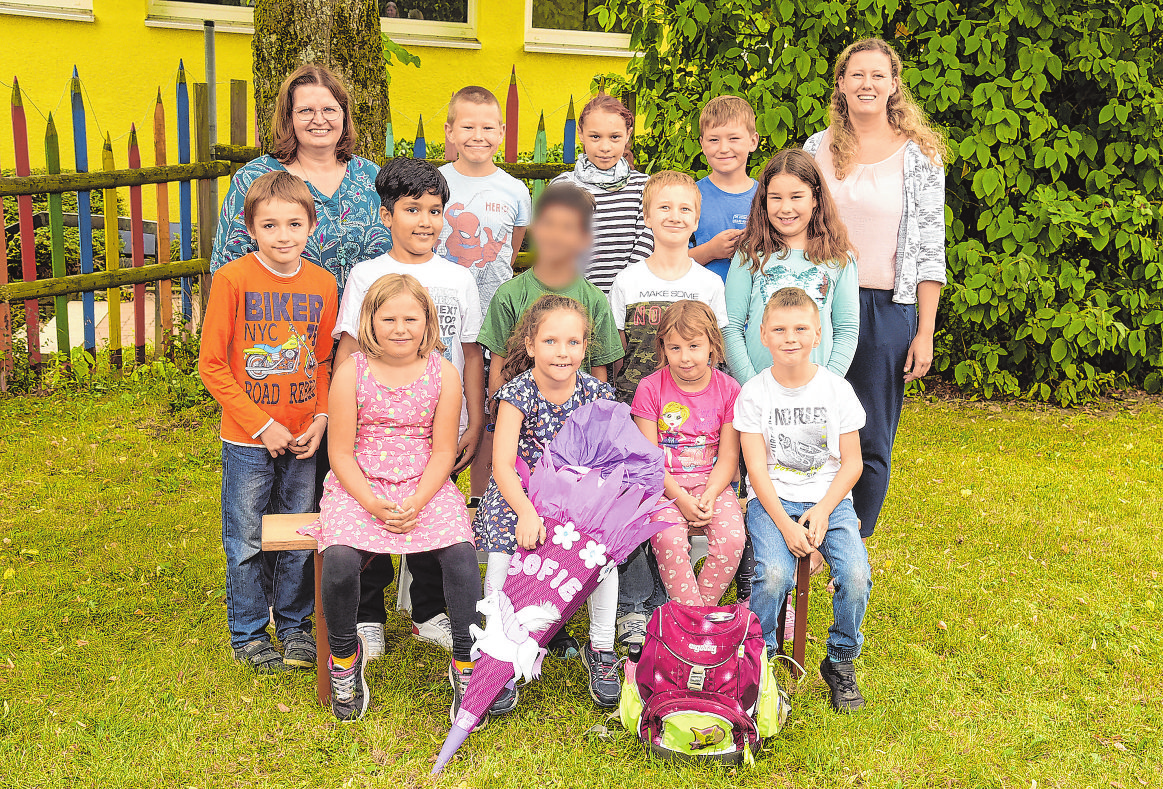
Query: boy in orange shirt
(266,339)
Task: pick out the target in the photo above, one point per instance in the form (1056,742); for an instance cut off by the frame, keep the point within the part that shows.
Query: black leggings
(343,565)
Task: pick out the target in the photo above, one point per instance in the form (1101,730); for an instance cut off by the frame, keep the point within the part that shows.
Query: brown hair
(573,198)
(388,287)
(690,319)
(284,143)
(827,236)
(722,110)
(517,358)
(905,116)
(471,94)
(604,102)
(664,178)
(789,298)
(277,185)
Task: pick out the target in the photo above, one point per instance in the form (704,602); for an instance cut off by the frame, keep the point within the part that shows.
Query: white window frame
(71,10)
(424,33)
(573,42)
(189,16)
(240,19)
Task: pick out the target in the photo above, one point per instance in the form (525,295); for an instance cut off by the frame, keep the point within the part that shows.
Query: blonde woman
(883,164)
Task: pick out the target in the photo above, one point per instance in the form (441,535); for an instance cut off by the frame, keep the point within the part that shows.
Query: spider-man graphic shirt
(479,220)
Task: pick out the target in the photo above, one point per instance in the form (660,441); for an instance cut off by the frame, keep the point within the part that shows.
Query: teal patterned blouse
(349,229)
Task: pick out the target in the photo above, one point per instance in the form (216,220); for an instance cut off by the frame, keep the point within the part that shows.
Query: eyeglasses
(307,114)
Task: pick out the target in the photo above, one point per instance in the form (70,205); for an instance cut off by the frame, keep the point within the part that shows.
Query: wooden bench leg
(800,636)
(322,645)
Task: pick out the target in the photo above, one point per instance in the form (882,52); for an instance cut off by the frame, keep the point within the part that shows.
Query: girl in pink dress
(395,409)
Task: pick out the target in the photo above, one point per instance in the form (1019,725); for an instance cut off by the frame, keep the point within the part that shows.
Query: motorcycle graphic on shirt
(263,360)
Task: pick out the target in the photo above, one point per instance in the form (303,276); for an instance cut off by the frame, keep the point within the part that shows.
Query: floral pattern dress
(495,526)
(393,444)
(349,230)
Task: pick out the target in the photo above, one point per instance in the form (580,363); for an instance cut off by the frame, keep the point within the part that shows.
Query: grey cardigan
(920,254)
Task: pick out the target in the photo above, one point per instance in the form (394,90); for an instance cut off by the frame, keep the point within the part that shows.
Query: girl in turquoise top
(794,238)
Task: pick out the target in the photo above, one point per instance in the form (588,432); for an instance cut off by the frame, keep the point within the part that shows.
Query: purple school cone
(596,487)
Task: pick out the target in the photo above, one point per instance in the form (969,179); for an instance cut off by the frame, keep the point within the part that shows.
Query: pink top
(871,203)
(688,422)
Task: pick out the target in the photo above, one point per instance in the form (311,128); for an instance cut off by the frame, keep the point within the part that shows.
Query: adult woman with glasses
(313,137)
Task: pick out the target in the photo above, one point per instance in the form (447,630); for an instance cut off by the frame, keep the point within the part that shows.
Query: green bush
(1054,115)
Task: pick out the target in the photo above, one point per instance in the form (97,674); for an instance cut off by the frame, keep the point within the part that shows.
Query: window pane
(235,3)
(428,10)
(568,15)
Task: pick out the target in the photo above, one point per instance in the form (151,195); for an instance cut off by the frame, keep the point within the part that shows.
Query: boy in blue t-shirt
(727,134)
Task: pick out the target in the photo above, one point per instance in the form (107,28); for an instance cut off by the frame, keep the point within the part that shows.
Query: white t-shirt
(451,287)
(479,220)
(802,429)
(638,298)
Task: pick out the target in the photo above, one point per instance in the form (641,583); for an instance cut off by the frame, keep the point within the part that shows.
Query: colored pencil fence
(198,166)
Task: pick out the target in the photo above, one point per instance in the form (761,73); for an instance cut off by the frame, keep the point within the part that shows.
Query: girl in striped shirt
(606,170)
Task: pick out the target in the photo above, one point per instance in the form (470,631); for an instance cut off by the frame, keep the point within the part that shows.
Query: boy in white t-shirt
(412,196)
(798,427)
(640,294)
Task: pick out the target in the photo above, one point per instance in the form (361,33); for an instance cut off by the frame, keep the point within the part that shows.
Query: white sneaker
(372,634)
(437,630)
(631,629)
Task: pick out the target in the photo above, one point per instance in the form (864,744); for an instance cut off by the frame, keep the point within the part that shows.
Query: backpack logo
(707,738)
(702,648)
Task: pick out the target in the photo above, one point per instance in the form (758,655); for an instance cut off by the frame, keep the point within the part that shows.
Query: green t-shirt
(518,294)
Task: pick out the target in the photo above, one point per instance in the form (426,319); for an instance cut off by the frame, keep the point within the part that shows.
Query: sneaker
(299,650)
(507,701)
(459,679)
(841,680)
(605,686)
(437,630)
(349,691)
(262,657)
(564,646)
(372,634)
(631,629)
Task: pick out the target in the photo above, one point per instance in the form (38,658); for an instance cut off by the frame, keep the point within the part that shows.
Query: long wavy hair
(904,114)
(517,358)
(827,236)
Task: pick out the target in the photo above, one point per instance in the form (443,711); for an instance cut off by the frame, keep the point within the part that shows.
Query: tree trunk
(343,35)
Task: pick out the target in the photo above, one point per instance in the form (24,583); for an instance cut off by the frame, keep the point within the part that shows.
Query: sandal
(262,657)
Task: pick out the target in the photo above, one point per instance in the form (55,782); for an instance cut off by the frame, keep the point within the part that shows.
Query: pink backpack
(702,686)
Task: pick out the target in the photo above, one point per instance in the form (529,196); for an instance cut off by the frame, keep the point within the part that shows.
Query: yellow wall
(122,63)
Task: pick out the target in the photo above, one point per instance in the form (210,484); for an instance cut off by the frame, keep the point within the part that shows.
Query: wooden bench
(281,533)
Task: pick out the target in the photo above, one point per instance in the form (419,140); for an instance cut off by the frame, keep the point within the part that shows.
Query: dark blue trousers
(877,374)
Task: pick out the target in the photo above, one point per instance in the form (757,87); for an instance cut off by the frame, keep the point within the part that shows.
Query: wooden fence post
(207,205)
(511,109)
(84,213)
(112,259)
(6,359)
(164,307)
(56,225)
(420,146)
(137,250)
(237,116)
(389,134)
(569,147)
(540,154)
(27,231)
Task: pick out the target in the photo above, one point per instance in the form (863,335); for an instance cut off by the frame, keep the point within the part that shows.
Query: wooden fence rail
(199,163)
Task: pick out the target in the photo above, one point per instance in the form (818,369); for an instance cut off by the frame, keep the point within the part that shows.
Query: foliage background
(1054,117)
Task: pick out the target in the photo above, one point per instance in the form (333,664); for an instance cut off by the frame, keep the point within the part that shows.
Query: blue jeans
(640,588)
(255,484)
(775,573)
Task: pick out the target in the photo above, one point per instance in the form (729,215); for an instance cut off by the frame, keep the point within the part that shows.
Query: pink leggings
(726,536)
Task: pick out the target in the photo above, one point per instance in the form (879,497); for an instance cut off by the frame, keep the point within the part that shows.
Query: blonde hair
(664,178)
(672,408)
(277,185)
(471,94)
(517,358)
(827,236)
(905,116)
(388,287)
(723,110)
(284,143)
(789,298)
(690,319)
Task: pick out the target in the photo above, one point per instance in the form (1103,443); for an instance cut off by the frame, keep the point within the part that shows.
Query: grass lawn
(1013,635)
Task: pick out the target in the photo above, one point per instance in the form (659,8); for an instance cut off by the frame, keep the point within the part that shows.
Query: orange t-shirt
(266,339)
